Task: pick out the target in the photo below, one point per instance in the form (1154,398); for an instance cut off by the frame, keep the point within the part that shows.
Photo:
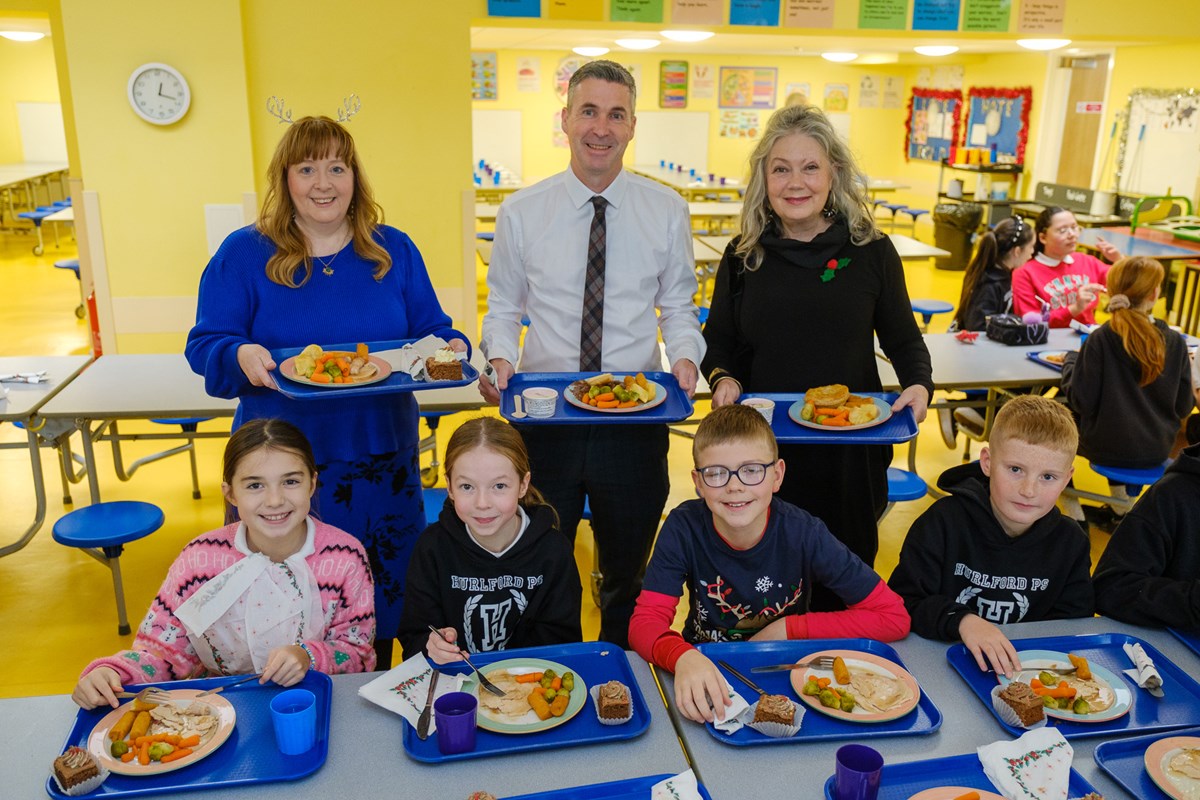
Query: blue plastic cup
(454,713)
(294,714)
(857,773)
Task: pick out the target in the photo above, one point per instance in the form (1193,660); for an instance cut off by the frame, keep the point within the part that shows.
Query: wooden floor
(56,604)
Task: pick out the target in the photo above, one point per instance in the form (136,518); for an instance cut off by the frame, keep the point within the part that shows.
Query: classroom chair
(188,425)
(927,308)
(1133,480)
(902,487)
(102,530)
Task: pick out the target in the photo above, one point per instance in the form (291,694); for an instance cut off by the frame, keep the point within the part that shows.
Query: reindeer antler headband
(277,107)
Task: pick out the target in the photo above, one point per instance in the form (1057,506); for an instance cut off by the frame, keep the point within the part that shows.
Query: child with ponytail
(987,283)
(494,572)
(1130,383)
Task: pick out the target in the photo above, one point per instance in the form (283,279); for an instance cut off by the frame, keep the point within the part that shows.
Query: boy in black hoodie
(1150,572)
(997,551)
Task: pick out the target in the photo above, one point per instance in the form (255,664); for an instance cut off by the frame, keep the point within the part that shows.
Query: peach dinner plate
(98,742)
(858,661)
(954,792)
(288,370)
(1158,757)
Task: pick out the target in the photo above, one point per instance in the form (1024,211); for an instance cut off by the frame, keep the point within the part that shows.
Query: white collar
(1042,258)
(520,532)
(581,195)
(242,546)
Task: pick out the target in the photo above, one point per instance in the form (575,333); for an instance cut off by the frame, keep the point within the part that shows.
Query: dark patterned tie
(592,329)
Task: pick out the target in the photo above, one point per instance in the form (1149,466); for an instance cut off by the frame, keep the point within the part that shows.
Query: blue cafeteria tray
(396,382)
(1190,640)
(816,727)
(899,428)
(1036,355)
(616,790)
(677,406)
(902,781)
(1180,707)
(593,662)
(247,757)
(1124,761)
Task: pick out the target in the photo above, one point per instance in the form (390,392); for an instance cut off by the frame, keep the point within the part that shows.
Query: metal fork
(483,681)
(151,694)
(817,662)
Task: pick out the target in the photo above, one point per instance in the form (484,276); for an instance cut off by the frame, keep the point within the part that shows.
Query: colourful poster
(696,12)
(514,8)
(588,10)
(704,81)
(890,15)
(868,91)
(935,15)
(747,87)
(837,96)
(672,84)
(637,11)
(562,75)
(986,16)
(1041,16)
(739,125)
(933,124)
(529,74)
(808,14)
(999,119)
(483,76)
(754,12)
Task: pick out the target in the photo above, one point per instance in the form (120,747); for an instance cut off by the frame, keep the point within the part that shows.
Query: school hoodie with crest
(530,595)
(957,559)
(1150,571)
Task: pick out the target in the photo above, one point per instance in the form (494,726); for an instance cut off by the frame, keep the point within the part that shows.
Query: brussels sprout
(550,694)
(847,702)
(1081,706)
(811,688)
(160,749)
(119,748)
(829,699)
(1048,678)
(568,681)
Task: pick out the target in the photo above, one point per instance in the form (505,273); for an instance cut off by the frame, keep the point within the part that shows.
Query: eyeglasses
(1065,229)
(749,474)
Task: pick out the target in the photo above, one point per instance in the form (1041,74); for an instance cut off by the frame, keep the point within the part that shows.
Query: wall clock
(159,94)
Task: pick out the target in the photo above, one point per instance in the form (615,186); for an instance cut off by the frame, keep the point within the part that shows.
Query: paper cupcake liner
(776,730)
(90,785)
(594,691)
(1007,713)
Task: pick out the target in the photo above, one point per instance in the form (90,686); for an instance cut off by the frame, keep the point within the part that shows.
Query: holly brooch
(832,267)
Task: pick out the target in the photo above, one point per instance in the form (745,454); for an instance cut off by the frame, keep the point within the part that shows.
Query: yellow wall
(26,76)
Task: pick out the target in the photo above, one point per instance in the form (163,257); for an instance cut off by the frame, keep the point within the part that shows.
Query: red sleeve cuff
(797,626)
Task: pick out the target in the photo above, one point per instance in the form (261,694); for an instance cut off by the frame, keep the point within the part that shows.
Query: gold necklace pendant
(326,269)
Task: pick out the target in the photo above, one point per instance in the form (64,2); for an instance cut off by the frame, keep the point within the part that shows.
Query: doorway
(1082,115)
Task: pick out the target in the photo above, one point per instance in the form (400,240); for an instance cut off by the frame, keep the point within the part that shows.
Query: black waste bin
(954,224)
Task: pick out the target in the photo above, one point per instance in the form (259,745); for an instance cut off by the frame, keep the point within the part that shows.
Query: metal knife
(423,721)
(741,677)
(779,667)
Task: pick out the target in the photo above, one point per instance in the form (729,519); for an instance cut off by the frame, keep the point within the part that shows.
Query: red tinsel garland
(1023,92)
(934,94)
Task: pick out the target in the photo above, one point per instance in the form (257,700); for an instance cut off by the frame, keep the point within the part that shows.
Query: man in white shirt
(542,260)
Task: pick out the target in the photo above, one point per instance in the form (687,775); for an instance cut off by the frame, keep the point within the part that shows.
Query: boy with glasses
(749,562)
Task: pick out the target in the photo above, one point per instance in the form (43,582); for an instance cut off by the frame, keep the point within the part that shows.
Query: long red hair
(1138,277)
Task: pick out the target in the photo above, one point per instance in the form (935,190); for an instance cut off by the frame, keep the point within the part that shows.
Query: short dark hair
(603,70)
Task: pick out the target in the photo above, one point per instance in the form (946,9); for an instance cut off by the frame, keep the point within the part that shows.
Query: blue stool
(703,317)
(915,213)
(36,217)
(188,424)
(486,236)
(435,499)
(893,209)
(73,265)
(1133,479)
(902,487)
(101,531)
(927,308)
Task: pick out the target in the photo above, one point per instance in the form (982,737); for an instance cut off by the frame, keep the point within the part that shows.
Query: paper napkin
(1143,674)
(1037,766)
(411,357)
(680,787)
(736,715)
(403,689)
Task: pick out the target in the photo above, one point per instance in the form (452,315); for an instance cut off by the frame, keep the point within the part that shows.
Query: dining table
(800,769)
(366,757)
(30,175)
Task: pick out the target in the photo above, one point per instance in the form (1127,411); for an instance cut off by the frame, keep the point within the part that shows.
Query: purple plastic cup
(454,713)
(857,774)
(294,715)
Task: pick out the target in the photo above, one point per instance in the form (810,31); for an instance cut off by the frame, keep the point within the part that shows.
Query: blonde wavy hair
(1137,277)
(307,139)
(847,192)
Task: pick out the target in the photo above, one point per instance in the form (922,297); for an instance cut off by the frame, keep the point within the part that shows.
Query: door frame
(1053,113)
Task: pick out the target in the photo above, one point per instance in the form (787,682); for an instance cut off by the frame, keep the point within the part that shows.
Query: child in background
(494,572)
(1130,383)
(1070,282)
(987,283)
(749,561)
(996,550)
(1150,571)
(245,598)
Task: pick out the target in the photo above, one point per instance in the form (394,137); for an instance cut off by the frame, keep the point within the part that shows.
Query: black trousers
(622,471)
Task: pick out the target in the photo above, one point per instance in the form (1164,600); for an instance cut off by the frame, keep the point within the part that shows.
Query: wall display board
(747,87)
(43,137)
(680,137)
(999,118)
(672,84)
(1159,151)
(934,119)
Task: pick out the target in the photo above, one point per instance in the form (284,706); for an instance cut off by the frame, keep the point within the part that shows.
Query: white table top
(966,725)
(908,247)
(11,174)
(985,363)
(714,208)
(366,758)
(23,399)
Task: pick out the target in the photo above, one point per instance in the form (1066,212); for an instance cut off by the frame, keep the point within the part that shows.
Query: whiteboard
(496,138)
(43,137)
(1162,144)
(678,136)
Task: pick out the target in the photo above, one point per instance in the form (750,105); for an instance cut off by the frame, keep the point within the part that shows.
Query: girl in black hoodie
(494,572)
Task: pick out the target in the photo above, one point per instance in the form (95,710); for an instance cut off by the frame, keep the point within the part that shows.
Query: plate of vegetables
(612,394)
(844,417)
(861,687)
(141,738)
(539,695)
(1090,694)
(335,368)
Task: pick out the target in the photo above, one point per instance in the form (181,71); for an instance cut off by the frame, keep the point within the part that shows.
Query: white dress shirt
(539,259)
